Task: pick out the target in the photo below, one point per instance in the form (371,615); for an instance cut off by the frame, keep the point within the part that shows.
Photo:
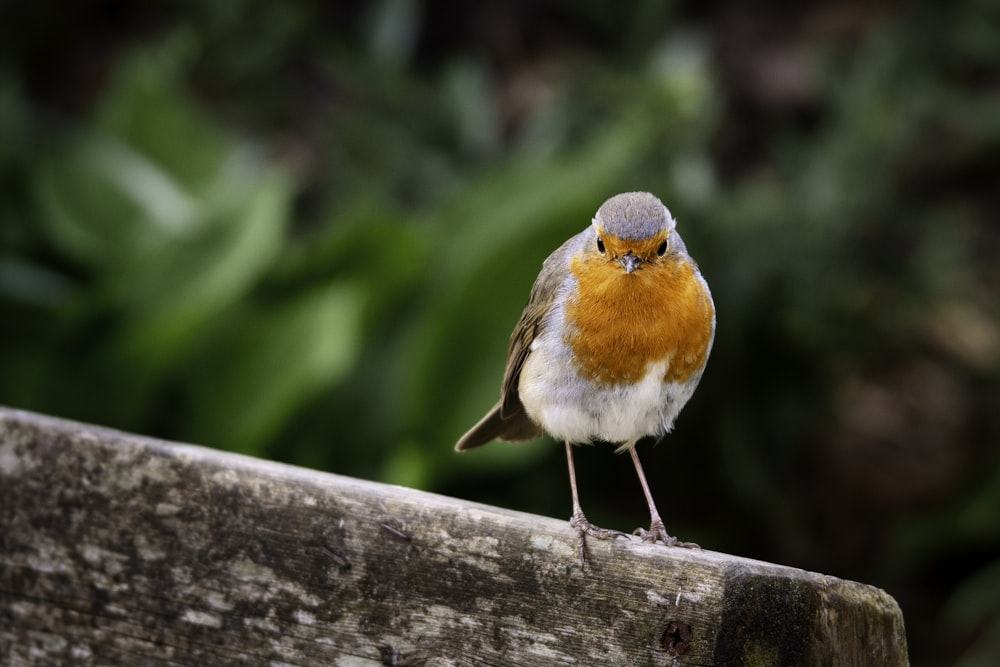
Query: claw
(658,533)
(584,527)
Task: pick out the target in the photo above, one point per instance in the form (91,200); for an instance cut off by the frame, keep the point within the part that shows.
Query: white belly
(571,408)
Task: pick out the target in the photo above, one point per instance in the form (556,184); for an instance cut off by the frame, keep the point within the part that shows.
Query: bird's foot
(658,533)
(584,527)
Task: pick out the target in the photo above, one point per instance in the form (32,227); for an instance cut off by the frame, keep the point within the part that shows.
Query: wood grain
(123,550)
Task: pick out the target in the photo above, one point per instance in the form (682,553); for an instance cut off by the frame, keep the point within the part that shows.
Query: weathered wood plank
(122,550)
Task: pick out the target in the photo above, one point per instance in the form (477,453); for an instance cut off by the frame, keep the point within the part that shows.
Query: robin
(611,345)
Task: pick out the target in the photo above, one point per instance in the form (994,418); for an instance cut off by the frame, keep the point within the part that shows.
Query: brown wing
(508,419)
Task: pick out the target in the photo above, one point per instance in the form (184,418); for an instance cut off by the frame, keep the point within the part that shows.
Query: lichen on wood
(124,550)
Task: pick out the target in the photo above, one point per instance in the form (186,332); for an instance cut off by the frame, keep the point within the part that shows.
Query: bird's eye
(662,250)
(600,245)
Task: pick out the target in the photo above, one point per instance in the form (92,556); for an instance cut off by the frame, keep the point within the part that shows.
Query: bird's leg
(657,531)
(578,520)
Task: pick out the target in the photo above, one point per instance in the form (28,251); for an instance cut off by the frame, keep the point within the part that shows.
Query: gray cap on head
(633,216)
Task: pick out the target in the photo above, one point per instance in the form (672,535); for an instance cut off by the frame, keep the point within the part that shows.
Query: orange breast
(620,322)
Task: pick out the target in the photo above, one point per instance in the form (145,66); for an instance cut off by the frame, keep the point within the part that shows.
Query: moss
(766,620)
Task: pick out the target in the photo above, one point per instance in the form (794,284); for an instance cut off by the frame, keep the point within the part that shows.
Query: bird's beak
(629,262)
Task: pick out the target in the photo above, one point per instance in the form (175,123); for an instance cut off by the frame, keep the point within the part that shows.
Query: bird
(611,345)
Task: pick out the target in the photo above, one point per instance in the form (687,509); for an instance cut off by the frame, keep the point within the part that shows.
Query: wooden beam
(125,550)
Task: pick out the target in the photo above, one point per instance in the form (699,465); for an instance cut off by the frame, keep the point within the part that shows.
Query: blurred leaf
(267,361)
(148,110)
(180,286)
(393,30)
(31,283)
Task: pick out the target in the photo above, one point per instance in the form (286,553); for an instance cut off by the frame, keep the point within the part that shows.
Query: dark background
(304,231)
